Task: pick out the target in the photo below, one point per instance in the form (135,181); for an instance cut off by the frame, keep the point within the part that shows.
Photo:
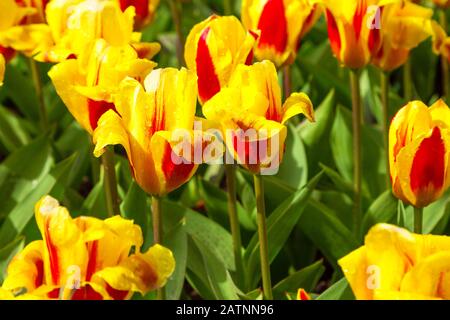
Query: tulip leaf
(316,136)
(294,167)
(216,203)
(95,203)
(383,209)
(136,207)
(279,226)
(326,231)
(176,241)
(19,217)
(435,212)
(13,134)
(305,278)
(19,176)
(339,291)
(203,230)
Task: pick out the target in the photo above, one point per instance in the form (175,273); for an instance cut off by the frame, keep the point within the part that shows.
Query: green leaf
(305,278)
(339,291)
(279,226)
(13,134)
(136,207)
(16,221)
(327,232)
(205,231)
(316,136)
(216,203)
(383,209)
(176,241)
(294,168)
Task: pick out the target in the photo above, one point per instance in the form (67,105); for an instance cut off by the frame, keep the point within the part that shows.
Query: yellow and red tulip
(87,84)
(395,264)
(282,24)
(352,41)
(144,124)
(303,295)
(404,25)
(145,10)
(419,149)
(252,103)
(22,28)
(214,48)
(85,258)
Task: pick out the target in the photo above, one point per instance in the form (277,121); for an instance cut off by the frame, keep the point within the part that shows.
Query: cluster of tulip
(104,75)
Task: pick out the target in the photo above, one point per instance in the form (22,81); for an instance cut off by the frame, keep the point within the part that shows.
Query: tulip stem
(407,80)
(356,120)
(418,220)
(176,16)
(262,234)
(384,84)
(444,62)
(158,234)
(110,182)
(39,93)
(234,221)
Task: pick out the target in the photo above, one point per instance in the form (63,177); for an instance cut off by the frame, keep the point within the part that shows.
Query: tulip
(144,124)
(213,50)
(354,30)
(282,23)
(252,118)
(303,295)
(412,24)
(87,85)
(86,258)
(75,24)
(395,264)
(145,10)
(253,101)
(419,146)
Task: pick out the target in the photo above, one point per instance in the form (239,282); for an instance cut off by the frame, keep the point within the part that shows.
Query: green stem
(158,233)
(262,233)
(384,84)
(234,222)
(407,81)
(39,93)
(176,16)
(444,62)
(110,182)
(356,120)
(418,220)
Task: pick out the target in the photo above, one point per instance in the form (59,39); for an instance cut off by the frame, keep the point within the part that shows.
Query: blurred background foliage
(309,201)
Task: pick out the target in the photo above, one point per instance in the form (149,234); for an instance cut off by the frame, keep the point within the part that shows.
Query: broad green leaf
(305,278)
(383,209)
(294,167)
(13,133)
(176,241)
(18,218)
(136,207)
(216,203)
(279,226)
(339,291)
(327,232)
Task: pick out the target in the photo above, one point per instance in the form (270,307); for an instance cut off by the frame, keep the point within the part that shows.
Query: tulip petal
(63,241)
(26,270)
(298,103)
(139,272)
(2,69)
